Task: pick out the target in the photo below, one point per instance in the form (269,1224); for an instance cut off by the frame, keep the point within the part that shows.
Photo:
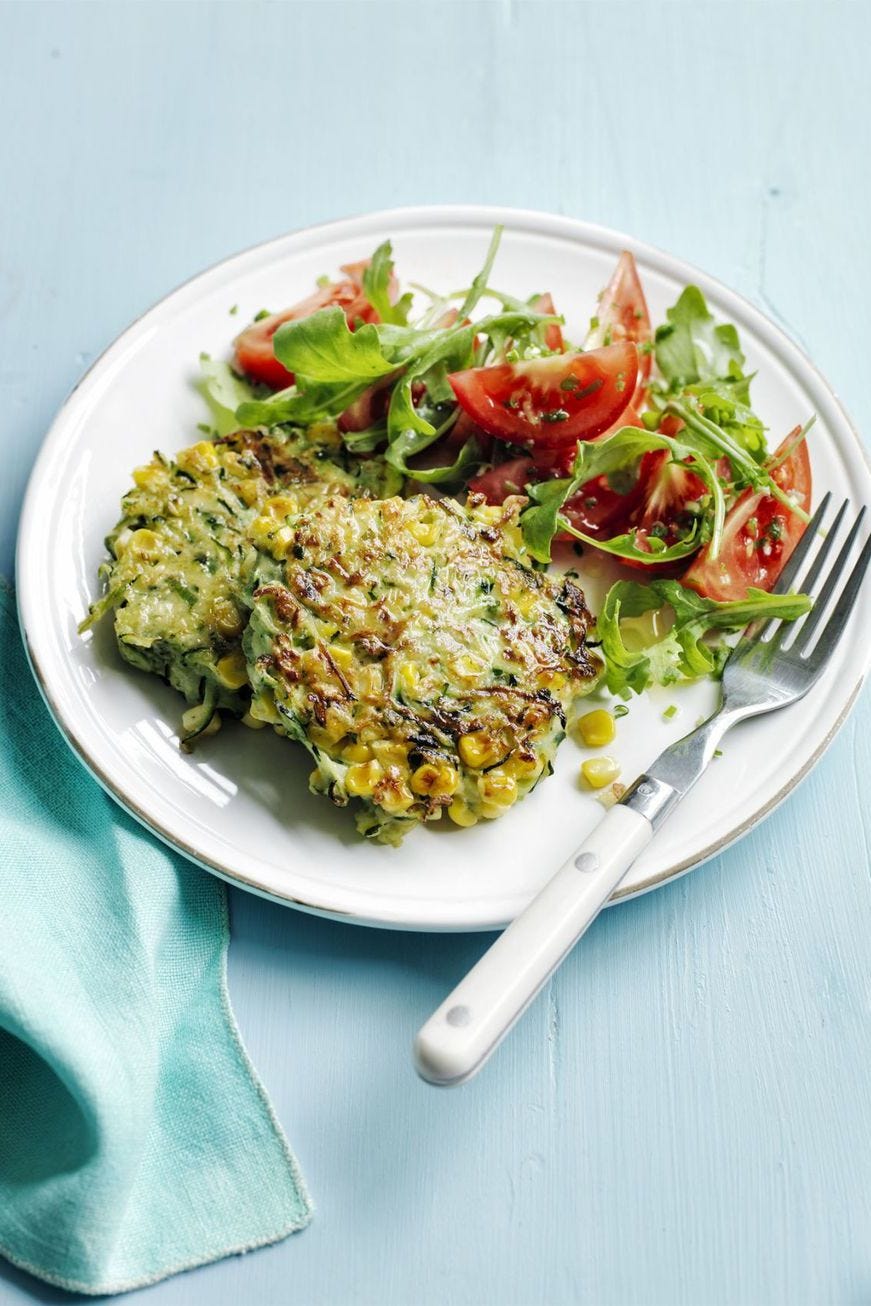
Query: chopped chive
(620,710)
(589,389)
(670,712)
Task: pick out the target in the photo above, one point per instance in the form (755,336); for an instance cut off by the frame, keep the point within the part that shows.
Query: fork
(773,664)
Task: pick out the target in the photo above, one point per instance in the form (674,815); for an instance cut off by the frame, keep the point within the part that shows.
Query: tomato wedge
(623,315)
(550,403)
(255,355)
(553,336)
(760,532)
(510,477)
(659,505)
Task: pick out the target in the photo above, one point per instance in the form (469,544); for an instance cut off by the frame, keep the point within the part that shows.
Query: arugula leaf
(691,347)
(376,287)
(714,439)
(521,326)
(684,653)
(540,521)
(323,348)
(479,285)
(626,546)
(316,403)
(702,363)
(449,351)
(365,441)
(726,403)
(402,343)
(402,449)
(223,391)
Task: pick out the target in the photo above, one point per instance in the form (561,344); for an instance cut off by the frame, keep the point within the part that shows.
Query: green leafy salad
(640,442)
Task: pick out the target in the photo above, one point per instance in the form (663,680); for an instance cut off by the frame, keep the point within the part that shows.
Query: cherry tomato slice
(760,532)
(510,477)
(623,315)
(255,355)
(550,403)
(553,336)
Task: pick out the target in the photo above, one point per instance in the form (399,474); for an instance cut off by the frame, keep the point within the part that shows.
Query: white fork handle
(460,1036)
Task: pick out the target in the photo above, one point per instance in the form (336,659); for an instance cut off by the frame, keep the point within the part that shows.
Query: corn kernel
(280,506)
(234,463)
(214,725)
(269,536)
(394,798)
(439,779)
(343,657)
(251,722)
(281,542)
(597,728)
(232,671)
(200,457)
(489,513)
(524,767)
(469,667)
(390,754)
(460,814)
(526,604)
(225,618)
(600,771)
(145,544)
(357,752)
(263,708)
(362,777)
(554,680)
(425,532)
(409,677)
(478,749)
(261,530)
(249,490)
(498,788)
(149,477)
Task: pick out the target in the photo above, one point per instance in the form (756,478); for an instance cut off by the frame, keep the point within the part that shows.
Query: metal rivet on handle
(586,863)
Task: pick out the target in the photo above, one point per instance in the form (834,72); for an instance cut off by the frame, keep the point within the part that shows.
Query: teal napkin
(135,1137)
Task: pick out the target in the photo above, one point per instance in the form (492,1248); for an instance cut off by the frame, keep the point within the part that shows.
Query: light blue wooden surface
(685,1117)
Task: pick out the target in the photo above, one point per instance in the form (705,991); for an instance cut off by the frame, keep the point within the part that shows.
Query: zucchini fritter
(181,553)
(406,644)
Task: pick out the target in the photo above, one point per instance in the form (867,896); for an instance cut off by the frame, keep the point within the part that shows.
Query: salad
(635,440)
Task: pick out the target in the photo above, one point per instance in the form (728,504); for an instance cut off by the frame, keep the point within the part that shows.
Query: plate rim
(410,217)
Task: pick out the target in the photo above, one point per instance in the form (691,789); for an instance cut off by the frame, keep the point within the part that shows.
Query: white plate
(239,806)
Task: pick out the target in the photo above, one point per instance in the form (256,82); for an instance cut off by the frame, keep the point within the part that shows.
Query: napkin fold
(135,1137)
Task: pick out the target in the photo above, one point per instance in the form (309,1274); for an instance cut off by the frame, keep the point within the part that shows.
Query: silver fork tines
(779,662)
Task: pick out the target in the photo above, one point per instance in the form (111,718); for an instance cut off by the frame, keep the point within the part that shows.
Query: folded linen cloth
(135,1137)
